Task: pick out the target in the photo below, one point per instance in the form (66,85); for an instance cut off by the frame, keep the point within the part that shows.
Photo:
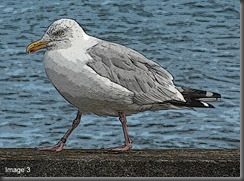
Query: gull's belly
(85,89)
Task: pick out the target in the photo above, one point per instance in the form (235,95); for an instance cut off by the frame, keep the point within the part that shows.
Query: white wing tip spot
(209,94)
(205,104)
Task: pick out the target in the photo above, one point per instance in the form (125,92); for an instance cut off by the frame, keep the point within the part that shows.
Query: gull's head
(60,34)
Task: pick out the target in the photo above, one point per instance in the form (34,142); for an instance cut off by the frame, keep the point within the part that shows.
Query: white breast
(82,86)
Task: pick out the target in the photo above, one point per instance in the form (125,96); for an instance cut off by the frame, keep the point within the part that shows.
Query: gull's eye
(59,33)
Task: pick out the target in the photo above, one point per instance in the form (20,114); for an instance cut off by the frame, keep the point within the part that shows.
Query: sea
(198,42)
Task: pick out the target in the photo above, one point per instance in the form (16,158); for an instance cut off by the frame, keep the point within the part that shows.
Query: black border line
(169,178)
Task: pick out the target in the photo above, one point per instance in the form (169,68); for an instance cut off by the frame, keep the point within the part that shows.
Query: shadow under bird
(109,79)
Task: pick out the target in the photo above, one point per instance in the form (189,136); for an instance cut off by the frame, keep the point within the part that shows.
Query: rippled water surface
(197,41)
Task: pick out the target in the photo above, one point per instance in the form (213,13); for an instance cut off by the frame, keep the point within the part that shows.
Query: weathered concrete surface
(135,163)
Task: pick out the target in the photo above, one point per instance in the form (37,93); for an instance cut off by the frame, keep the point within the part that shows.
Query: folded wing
(150,83)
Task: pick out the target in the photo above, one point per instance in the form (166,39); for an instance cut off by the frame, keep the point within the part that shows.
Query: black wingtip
(191,103)
(200,104)
(197,94)
(215,95)
(209,105)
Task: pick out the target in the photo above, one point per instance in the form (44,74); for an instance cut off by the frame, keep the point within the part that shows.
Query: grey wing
(150,83)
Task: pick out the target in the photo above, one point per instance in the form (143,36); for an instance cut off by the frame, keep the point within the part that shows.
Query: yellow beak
(37,45)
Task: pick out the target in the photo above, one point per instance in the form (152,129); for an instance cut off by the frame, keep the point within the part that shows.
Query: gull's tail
(196,98)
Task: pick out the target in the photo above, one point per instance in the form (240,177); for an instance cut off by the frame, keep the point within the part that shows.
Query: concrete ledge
(134,163)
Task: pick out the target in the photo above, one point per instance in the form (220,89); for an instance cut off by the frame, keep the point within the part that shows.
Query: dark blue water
(197,41)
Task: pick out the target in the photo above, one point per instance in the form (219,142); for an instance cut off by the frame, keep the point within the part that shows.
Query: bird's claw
(58,147)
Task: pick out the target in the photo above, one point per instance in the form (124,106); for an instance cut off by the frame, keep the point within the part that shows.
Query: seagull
(108,79)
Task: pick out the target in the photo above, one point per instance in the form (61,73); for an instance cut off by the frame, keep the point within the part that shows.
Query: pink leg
(128,143)
(59,146)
